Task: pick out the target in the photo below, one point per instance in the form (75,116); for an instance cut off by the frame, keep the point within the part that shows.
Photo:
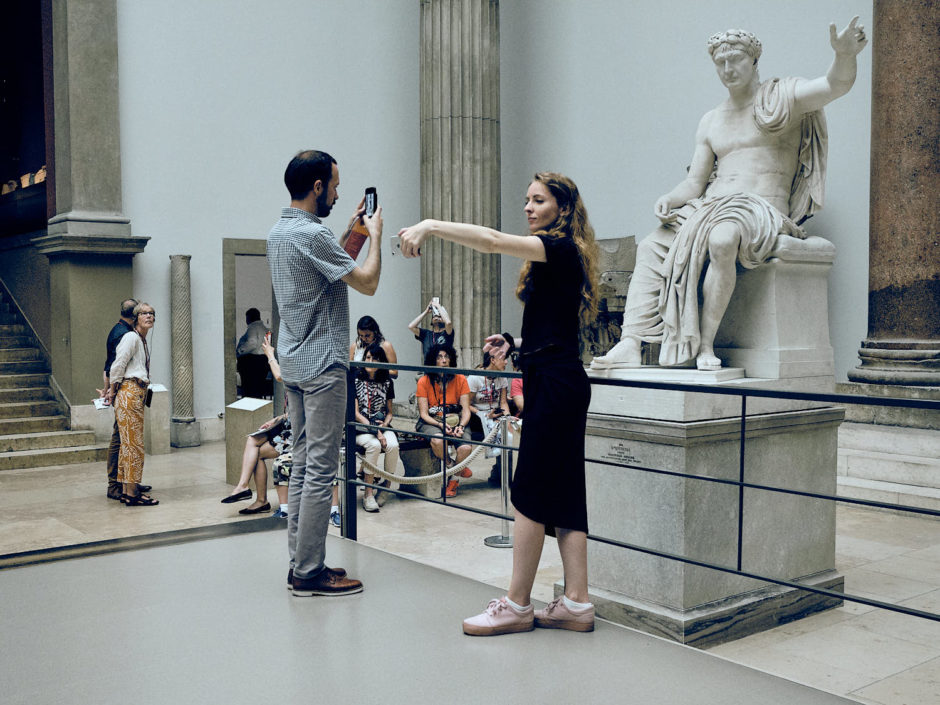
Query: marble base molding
(723,620)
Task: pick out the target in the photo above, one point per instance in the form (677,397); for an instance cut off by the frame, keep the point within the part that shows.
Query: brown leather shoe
(326,583)
(338,572)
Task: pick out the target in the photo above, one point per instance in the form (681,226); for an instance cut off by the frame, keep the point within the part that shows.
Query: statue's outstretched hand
(849,41)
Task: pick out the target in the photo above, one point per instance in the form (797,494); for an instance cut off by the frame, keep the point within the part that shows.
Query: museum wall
(216,97)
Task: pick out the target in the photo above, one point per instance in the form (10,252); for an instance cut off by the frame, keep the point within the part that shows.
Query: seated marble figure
(757,172)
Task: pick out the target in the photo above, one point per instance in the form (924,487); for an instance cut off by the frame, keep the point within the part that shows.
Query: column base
(716,623)
(184,433)
(912,362)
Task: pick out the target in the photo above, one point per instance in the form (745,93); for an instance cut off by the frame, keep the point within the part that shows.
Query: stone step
(8,396)
(9,318)
(889,467)
(13,329)
(15,341)
(24,367)
(922,442)
(23,354)
(23,459)
(876,491)
(21,409)
(31,379)
(33,425)
(47,439)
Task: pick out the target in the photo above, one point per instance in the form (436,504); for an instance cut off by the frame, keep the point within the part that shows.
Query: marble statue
(757,172)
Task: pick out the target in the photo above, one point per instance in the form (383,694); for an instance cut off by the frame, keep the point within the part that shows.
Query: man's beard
(323,209)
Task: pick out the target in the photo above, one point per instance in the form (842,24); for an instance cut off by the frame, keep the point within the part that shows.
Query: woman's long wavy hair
(572,222)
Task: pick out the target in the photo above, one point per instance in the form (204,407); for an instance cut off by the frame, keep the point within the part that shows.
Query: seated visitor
(444,409)
(250,360)
(488,401)
(374,395)
(367,333)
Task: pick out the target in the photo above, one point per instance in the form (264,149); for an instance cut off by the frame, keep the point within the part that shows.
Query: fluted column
(460,160)
(903,343)
(184,431)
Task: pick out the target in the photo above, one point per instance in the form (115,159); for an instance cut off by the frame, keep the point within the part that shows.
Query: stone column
(903,343)
(184,431)
(88,240)
(460,161)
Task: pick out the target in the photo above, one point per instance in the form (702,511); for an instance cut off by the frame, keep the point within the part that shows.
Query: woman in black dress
(558,285)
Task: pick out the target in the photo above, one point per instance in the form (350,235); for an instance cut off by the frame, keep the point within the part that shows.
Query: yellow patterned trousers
(129,412)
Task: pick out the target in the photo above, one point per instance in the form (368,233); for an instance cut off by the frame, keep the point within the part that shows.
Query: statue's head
(734,40)
(735,53)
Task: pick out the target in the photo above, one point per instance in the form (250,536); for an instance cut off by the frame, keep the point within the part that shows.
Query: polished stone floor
(862,653)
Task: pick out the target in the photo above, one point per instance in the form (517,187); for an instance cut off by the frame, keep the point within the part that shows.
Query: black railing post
(444,434)
(348,529)
(741,478)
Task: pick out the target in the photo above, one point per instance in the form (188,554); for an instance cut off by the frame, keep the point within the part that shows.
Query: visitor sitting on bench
(444,406)
(374,394)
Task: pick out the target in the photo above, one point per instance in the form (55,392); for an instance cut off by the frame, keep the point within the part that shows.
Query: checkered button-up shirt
(307,266)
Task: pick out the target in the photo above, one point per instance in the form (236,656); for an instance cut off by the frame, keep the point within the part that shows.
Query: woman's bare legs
(573,548)
(256,451)
(528,539)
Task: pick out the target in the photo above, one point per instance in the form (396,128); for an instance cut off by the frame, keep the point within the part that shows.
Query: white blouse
(130,360)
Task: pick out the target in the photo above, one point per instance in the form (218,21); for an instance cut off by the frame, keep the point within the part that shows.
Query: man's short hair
(127,308)
(305,170)
(735,39)
(252,315)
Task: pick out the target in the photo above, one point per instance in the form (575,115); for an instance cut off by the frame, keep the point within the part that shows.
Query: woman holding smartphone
(558,285)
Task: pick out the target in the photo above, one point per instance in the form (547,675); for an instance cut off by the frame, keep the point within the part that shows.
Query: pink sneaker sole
(474,630)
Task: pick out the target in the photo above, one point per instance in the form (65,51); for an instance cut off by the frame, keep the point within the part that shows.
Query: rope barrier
(423,479)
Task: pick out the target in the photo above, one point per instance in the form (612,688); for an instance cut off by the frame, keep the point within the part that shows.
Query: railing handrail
(349,529)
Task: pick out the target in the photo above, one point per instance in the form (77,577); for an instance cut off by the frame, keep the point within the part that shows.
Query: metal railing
(349,513)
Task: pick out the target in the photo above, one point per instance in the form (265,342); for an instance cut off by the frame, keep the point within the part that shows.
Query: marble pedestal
(157,422)
(789,444)
(241,418)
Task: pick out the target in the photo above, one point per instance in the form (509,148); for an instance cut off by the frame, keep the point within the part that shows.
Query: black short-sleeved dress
(548,483)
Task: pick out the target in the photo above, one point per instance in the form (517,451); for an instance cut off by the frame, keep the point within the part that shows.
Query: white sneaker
(369,503)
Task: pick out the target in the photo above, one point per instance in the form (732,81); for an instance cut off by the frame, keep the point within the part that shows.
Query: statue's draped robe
(759,221)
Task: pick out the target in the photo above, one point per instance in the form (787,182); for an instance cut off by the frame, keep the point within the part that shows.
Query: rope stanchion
(422,479)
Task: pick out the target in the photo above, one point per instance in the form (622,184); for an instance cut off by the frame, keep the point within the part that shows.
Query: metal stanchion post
(348,491)
(505,539)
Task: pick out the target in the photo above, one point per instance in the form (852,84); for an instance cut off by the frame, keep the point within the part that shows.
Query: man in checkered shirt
(310,272)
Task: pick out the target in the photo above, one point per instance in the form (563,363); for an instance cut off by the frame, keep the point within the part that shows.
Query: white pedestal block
(784,536)
(777,322)
(157,422)
(241,418)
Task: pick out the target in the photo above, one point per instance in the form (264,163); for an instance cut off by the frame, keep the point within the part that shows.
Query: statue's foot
(707,360)
(623,355)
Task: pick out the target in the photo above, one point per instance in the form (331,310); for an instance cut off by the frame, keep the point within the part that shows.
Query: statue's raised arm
(815,94)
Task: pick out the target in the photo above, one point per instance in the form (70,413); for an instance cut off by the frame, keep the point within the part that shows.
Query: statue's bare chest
(733,130)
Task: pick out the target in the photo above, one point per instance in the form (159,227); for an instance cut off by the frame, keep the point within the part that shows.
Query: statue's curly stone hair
(736,39)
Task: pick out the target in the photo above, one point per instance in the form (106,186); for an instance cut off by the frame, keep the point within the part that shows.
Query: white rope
(422,479)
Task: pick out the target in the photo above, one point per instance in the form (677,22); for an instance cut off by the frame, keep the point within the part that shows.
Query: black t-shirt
(430,338)
(551,316)
(114,337)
